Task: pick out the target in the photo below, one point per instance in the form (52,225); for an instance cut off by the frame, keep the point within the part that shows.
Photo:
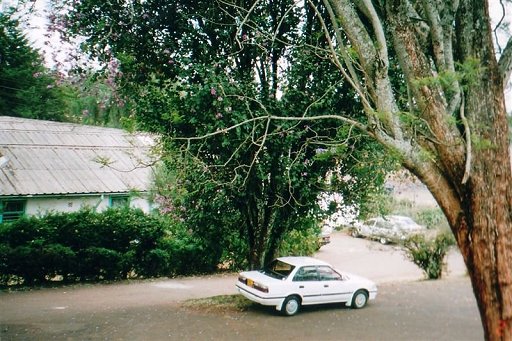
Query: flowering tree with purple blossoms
(210,87)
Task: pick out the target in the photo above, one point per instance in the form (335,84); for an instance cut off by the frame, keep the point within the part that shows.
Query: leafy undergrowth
(221,303)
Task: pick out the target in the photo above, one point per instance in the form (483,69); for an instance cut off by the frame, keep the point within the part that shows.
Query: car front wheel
(291,305)
(360,299)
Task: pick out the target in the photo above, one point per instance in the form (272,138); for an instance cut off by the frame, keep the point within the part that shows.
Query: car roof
(302,260)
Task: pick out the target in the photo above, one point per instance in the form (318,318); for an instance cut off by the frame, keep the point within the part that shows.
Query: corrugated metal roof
(53,158)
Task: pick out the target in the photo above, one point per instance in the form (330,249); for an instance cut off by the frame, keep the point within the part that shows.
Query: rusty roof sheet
(53,158)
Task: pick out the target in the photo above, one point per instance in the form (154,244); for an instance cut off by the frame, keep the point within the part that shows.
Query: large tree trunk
(459,145)
(476,190)
(483,228)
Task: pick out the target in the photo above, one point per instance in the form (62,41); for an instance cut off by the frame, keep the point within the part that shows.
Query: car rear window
(278,269)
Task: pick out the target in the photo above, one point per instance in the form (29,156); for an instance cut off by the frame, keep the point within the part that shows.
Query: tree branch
(374,62)
(467,168)
(505,63)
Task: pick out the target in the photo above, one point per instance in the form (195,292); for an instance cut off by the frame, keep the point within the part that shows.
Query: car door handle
(301,287)
(326,285)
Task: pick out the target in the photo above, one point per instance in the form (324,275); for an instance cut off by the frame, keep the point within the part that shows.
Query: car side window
(326,273)
(306,273)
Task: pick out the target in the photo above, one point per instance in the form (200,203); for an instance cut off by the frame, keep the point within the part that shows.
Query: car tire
(291,305)
(359,299)
(383,241)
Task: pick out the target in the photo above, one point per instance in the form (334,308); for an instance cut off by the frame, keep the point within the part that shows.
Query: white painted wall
(41,206)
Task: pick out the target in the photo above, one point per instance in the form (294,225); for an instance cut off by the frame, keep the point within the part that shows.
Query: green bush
(100,263)
(58,260)
(154,263)
(429,254)
(299,242)
(109,245)
(83,245)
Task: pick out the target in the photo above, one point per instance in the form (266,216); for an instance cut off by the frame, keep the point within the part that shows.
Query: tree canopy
(213,87)
(28,88)
(423,75)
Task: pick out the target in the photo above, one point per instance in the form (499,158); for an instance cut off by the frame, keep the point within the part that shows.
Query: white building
(51,166)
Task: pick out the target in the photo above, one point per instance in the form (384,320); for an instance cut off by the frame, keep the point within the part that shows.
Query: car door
(308,285)
(334,287)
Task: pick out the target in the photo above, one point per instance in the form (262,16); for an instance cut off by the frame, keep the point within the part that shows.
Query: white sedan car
(387,229)
(289,282)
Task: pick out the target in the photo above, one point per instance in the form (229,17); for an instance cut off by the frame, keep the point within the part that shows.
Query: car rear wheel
(291,305)
(359,299)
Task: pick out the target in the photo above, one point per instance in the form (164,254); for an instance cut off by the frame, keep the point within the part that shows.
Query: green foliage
(93,98)
(432,218)
(378,204)
(429,254)
(191,72)
(300,242)
(111,245)
(28,89)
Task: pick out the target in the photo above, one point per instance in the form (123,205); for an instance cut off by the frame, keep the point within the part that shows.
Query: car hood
(371,284)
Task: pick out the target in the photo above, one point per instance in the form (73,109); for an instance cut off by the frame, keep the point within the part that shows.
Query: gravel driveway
(407,307)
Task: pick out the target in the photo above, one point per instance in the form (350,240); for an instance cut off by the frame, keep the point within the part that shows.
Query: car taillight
(252,284)
(260,287)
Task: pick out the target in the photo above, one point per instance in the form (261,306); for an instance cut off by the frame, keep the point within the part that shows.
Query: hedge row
(90,246)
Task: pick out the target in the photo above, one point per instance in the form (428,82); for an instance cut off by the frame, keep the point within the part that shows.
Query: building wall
(40,206)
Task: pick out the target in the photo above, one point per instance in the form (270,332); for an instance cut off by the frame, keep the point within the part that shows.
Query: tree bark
(465,134)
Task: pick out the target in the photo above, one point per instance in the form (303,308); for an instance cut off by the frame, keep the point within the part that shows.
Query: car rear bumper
(263,300)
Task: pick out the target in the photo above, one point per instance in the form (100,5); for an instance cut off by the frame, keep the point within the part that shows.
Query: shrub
(299,242)
(113,244)
(429,254)
(432,218)
(154,263)
(100,263)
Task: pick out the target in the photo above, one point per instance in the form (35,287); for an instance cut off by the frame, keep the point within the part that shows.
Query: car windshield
(278,269)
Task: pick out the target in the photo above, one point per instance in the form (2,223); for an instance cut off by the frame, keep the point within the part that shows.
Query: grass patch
(221,303)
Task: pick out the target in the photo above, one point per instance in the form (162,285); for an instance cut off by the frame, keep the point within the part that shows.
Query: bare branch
(275,118)
(467,168)
(437,34)
(495,30)
(378,30)
(374,62)
(353,79)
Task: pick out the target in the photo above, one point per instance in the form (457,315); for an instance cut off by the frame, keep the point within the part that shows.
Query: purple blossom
(213,92)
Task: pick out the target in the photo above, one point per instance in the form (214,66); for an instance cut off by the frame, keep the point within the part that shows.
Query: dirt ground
(407,307)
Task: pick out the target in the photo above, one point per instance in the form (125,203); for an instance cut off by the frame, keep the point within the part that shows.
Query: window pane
(12,210)
(306,273)
(328,274)
(121,201)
